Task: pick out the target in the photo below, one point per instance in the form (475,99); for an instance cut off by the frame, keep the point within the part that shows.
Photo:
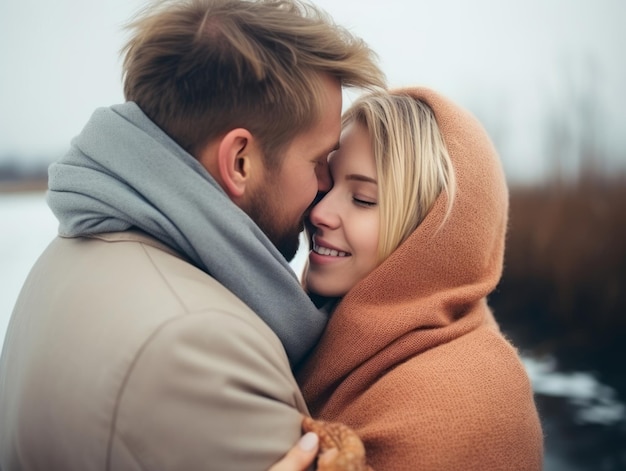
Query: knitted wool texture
(412,358)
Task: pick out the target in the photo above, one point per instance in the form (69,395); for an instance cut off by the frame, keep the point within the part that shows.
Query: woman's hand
(301,456)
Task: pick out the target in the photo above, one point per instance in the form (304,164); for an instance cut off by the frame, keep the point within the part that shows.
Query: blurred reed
(563,287)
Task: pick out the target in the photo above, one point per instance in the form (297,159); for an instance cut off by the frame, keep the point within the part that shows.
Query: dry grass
(564,284)
(23,186)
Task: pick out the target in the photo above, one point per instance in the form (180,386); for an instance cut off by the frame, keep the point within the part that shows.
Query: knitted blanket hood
(412,358)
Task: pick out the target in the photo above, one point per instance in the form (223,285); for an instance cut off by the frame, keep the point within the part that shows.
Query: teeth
(327,251)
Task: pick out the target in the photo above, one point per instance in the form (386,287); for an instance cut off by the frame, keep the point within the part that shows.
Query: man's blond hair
(199,68)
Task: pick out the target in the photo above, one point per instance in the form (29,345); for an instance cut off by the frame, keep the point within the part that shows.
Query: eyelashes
(364,203)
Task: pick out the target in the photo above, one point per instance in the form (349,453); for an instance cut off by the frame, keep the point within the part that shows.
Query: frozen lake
(28,226)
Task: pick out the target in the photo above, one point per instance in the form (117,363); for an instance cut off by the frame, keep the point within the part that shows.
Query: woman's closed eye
(359,201)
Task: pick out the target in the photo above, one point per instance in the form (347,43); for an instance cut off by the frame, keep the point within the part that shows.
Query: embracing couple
(164,328)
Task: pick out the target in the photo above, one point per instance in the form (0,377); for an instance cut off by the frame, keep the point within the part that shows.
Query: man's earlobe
(234,161)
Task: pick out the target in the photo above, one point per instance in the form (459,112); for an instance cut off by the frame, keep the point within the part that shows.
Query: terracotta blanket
(412,358)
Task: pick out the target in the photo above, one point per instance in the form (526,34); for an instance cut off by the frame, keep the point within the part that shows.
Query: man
(158,330)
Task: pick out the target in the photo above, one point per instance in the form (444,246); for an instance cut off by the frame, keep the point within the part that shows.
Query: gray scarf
(123,171)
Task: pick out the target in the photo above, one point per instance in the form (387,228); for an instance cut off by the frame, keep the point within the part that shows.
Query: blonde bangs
(412,163)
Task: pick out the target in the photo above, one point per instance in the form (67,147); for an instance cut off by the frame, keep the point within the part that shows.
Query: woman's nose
(324,213)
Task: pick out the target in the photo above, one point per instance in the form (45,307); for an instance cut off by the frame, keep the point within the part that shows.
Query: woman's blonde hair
(412,162)
(199,68)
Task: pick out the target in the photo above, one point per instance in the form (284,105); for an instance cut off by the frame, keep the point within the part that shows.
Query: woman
(405,248)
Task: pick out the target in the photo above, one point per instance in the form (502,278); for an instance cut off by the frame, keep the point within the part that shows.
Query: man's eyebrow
(361,178)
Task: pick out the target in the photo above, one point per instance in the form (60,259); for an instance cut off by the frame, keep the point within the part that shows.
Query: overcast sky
(520,65)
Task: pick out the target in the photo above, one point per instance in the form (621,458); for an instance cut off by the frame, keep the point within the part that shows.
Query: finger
(301,456)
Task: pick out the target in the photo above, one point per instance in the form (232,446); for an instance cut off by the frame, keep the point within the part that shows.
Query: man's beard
(285,239)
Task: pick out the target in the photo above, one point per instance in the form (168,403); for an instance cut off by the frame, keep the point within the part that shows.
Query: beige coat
(152,365)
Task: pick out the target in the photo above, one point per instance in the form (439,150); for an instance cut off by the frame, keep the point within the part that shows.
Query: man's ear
(235,155)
